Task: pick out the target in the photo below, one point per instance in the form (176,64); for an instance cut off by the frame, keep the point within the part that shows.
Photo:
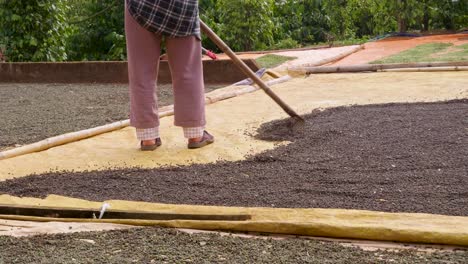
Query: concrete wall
(215,71)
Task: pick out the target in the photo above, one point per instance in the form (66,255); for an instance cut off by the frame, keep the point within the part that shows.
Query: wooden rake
(297,121)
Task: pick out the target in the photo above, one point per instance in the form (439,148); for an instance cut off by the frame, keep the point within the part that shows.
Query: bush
(98,31)
(285,44)
(57,30)
(246,24)
(304,21)
(210,16)
(33,30)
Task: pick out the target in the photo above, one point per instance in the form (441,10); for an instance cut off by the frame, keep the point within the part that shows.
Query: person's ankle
(195,140)
(148,142)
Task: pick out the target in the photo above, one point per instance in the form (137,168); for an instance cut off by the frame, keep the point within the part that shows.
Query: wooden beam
(60,212)
(373,67)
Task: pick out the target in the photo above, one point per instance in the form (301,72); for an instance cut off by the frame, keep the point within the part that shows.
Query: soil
(392,158)
(154,245)
(32,112)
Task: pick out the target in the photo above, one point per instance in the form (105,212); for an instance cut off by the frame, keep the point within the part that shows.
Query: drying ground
(395,158)
(154,245)
(32,112)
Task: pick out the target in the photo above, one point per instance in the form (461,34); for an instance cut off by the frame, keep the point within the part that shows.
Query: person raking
(147,24)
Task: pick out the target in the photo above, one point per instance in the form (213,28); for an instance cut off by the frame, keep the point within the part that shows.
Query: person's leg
(185,61)
(143,51)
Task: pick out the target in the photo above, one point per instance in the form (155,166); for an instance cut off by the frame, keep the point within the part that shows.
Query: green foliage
(57,30)
(98,31)
(288,26)
(304,21)
(285,44)
(447,14)
(404,15)
(315,22)
(246,24)
(351,41)
(340,18)
(358,18)
(209,15)
(272,60)
(33,30)
(395,15)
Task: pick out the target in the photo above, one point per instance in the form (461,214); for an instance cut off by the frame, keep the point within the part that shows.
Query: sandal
(206,140)
(150,147)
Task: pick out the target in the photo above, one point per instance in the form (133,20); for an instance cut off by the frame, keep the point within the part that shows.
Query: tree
(209,15)
(394,15)
(246,24)
(98,30)
(57,30)
(448,14)
(405,15)
(315,22)
(288,16)
(33,30)
(360,15)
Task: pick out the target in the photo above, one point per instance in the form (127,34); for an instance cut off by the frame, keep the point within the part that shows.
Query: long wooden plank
(56,212)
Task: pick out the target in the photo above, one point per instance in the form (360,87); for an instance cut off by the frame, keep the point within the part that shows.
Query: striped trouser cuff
(147,133)
(193,132)
(152,133)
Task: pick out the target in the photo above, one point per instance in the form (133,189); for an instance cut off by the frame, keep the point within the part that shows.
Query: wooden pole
(225,48)
(428,69)
(373,67)
(62,139)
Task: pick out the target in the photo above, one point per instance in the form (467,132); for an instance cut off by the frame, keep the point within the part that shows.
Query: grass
(349,42)
(343,42)
(431,52)
(272,60)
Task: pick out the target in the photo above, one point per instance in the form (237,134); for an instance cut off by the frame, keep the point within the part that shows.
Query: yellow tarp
(356,224)
(231,120)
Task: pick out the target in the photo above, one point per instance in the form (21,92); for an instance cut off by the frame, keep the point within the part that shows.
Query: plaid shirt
(173,18)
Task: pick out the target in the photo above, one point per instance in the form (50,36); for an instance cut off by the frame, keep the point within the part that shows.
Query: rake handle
(245,69)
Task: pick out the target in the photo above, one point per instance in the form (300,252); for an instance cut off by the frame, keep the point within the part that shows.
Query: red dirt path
(386,47)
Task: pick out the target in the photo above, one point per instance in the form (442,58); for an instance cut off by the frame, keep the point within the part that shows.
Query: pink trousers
(185,62)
